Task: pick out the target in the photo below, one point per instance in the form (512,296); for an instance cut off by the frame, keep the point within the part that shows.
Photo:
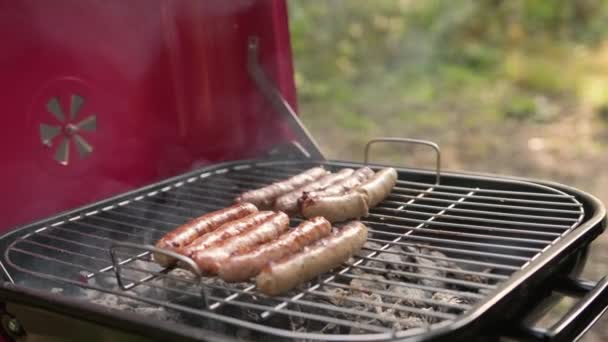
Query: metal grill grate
(434,252)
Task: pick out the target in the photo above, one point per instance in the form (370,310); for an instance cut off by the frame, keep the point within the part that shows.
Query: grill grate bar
(82,224)
(264,170)
(125,224)
(248,290)
(487,205)
(146,282)
(246,185)
(460,307)
(453,250)
(162,274)
(128,216)
(455,234)
(465,294)
(266,179)
(493,198)
(481,190)
(488,213)
(426,206)
(48,258)
(464,226)
(464,243)
(60,250)
(479,219)
(410,275)
(448,259)
(319,318)
(438,268)
(51,236)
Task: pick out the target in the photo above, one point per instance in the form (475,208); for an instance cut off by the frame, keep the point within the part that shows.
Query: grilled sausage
(289,202)
(248,263)
(326,254)
(188,232)
(226,231)
(264,197)
(353,204)
(340,188)
(337,208)
(379,186)
(209,260)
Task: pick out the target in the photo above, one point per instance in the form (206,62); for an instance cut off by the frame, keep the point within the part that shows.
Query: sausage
(264,197)
(342,187)
(337,208)
(226,231)
(326,254)
(289,202)
(379,186)
(353,204)
(248,263)
(188,232)
(209,260)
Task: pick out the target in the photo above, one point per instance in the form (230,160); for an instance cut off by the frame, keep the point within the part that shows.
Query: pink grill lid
(102,97)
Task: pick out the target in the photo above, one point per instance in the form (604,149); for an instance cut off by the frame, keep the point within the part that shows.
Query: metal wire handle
(153,249)
(408,141)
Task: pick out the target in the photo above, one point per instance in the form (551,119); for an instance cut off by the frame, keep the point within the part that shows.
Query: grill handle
(581,316)
(280,104)
(149,249)
(408,141)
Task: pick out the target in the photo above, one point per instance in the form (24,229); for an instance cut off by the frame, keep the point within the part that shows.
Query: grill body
(526,232)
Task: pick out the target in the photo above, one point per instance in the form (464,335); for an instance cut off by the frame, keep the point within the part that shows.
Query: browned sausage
(337,208)
(379,186)
(188,232)
(264,197)
(247,264)
(289,202)
(226,231)
(353,204)
(340,188)
(209,260)
(326,254)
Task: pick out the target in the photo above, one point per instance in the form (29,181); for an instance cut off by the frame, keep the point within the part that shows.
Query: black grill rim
(508,299)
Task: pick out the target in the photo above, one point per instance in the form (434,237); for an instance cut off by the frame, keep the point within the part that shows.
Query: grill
(479,237)
(449,255)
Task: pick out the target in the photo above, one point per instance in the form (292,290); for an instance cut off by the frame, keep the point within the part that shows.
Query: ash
(399,288)
(397,291)
(108,281)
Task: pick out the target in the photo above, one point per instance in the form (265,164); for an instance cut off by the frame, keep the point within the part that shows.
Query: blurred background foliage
(517,87)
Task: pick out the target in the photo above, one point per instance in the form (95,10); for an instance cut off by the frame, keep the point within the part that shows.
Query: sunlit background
(513,87)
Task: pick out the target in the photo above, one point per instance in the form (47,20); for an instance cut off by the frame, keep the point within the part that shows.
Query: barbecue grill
(450,255)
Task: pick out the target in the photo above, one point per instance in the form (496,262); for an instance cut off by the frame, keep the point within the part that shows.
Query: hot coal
(378,290)
(449,299)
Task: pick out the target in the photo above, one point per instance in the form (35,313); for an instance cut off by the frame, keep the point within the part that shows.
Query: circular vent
(68,128)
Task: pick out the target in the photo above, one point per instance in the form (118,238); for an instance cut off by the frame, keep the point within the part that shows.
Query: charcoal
(437,254)
(337,296)
(358,330)
(365,252)
(471,277)
(449,299)
(429,272)
(390,261)
(329,328)
(409,296)
(369,282)
(410,322)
